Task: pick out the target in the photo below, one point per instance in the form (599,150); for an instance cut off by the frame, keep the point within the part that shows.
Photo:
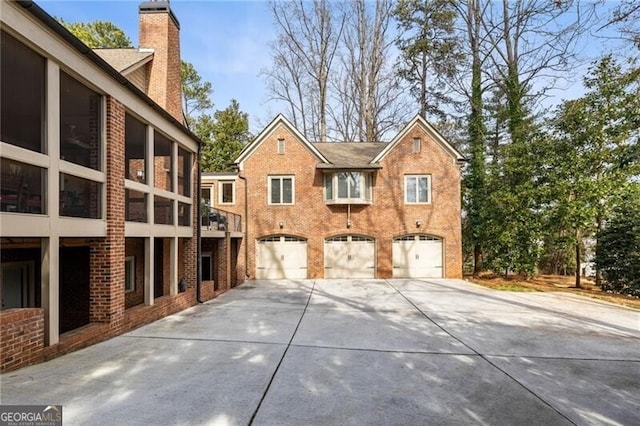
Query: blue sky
(226,41)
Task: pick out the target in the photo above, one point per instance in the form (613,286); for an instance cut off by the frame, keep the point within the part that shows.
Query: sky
(227,41)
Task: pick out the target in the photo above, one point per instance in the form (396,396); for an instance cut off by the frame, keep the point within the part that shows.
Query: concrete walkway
(356,352)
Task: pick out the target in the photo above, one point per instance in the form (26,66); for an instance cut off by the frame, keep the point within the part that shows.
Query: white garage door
(349,256)
(417,256)
(281,257)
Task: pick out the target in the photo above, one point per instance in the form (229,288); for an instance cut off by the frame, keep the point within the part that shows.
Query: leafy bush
(618,253)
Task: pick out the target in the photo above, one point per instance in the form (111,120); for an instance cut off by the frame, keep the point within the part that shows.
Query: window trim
(417,145)
(406,187)
(130,279)
(221,192)
(281,178)
(366,182)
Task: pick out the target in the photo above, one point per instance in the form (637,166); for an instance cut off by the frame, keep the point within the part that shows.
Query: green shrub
(618,253)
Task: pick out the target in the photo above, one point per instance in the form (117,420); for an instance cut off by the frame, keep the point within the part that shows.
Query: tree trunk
(578,284)
(578,275)
(477,260)
(598,230)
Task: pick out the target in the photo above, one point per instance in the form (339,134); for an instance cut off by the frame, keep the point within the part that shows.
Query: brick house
(98,193)
(347,210)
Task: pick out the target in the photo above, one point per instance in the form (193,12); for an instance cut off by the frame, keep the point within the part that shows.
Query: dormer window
(347,188)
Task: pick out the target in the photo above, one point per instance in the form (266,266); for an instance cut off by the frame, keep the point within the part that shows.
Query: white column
(51,289)
(50,249)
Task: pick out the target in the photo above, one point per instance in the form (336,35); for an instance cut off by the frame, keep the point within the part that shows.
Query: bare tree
(372,90)
(625,16)
(308,36)
(357,97)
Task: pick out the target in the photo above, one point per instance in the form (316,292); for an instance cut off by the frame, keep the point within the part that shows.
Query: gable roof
(125,60)
(279,120)
(437,137)
(350,155)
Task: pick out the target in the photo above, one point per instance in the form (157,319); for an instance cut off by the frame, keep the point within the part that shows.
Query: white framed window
(417,189)
(129,274)
(281,190)
(281,146)
(226,192)
(347,187)
(417,145)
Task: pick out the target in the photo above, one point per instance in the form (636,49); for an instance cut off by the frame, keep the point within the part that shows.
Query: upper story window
(22,187)
(80,197)
(184,172)
(227,192)
(184,214)
(135,152)
(281,190)
(135,207)
(22,94)
(162,211)
(80,123)
(162,162)
(417,189)
(348,187)
(281,146)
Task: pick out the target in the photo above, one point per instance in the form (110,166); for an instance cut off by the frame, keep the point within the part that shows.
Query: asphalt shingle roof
(122,59)
(350,154)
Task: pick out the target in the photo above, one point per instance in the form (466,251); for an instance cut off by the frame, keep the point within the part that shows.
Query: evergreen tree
(225,135)
(618,256)
(98,34)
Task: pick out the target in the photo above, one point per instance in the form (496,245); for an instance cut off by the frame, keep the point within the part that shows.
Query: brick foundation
(21,337)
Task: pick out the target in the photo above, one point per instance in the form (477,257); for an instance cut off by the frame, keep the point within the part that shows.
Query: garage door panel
(349,257)
(417,256)
(285,257)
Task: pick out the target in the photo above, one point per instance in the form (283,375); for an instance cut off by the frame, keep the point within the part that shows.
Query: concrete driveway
(356,352)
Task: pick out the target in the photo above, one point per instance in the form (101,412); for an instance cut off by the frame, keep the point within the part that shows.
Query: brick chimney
(160,31)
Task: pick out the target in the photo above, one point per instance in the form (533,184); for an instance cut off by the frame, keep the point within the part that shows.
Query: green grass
(513,287)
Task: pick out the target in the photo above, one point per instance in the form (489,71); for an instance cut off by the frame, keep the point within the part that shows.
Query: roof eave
(325,166)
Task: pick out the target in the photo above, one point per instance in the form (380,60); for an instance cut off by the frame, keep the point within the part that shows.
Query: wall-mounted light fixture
(418,223)
(349,224)
(281,225)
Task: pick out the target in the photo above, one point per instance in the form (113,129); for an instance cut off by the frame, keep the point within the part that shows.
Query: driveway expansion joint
(484,357)
(284,353)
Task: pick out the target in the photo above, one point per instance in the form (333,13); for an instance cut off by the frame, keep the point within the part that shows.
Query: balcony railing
(219,220)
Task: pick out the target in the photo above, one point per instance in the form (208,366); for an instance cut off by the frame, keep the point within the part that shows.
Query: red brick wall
(159,32)
(386,218)
(107,254)
(191,244)
(21,338)
(162,306)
